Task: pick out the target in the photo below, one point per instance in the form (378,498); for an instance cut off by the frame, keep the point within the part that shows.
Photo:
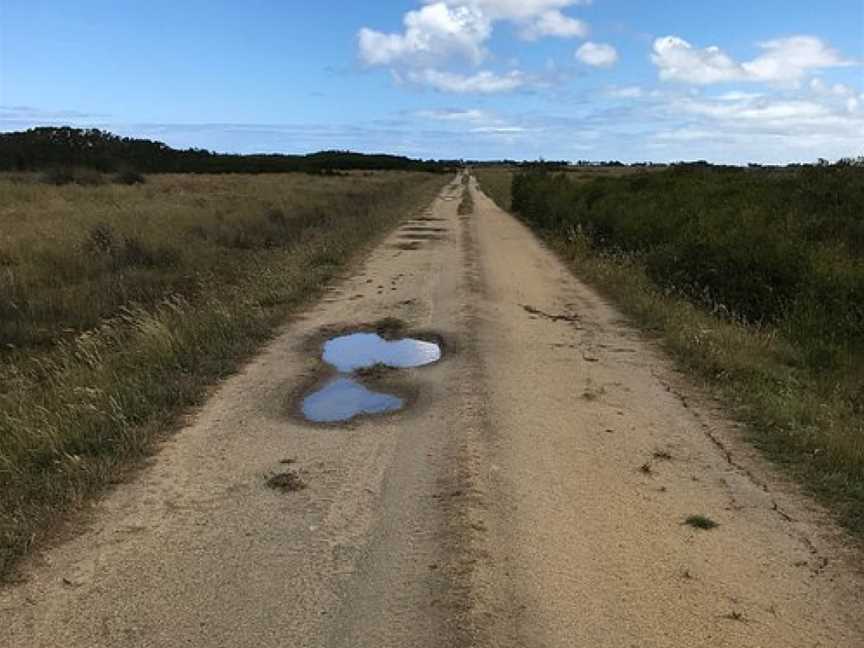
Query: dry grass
(121,303)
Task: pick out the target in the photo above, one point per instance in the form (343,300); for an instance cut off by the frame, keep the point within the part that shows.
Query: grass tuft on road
(120,304)
(701,522)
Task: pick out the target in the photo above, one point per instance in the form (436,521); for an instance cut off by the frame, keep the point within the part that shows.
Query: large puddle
(363,350)
(345,397)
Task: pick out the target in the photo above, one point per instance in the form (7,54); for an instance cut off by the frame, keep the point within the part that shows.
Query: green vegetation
(286,482)
(63,150)
(120,303)
(753,278)
(784,248)
(701,522)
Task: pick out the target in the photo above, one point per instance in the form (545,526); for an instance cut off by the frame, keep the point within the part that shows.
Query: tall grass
(754,280)
(121,303)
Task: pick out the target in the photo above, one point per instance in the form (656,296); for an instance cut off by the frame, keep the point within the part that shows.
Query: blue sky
(732,81)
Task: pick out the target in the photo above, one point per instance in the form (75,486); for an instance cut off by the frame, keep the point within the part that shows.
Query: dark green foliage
(701,522)
(64,175)
(59,148)
(129,177)
(776,246)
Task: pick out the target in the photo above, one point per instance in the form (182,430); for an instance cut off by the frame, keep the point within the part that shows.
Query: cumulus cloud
(678,60)
(597,54)
(432,34)
(790,59)
(784,60)
(442,33)
(514,10)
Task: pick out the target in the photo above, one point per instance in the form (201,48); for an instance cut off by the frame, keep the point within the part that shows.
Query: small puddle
(363,350)
(343,398)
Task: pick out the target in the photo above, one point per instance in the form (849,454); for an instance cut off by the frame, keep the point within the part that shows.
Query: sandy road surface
(507,506)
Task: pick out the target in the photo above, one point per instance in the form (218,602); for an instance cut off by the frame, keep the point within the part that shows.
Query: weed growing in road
(592,393)
(286,482)
(390,327)
(701,522)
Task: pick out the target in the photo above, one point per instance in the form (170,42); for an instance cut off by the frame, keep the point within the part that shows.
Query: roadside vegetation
(753,278)
(121,301)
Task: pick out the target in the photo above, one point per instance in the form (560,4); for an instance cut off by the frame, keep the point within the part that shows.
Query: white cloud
(554,23)
(455,115)
(432,34)
(499,130)
(818,86)
(597,54)
(784,60)
(443,32)
(766,111)
(483,82)
(737,95)
(790,59)
(678,60)
(758,128)
(514,10)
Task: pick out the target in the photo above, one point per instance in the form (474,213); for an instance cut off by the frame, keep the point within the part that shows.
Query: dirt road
(532,494)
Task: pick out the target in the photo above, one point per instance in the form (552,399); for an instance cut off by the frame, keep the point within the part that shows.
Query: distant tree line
(551,165)
(43,148)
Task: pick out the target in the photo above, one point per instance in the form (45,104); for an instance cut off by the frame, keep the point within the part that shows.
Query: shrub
(69,175)
(765,246)
(129,177)
(100,239)
(136,252)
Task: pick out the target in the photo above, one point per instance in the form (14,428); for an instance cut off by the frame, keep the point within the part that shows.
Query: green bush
(779,247)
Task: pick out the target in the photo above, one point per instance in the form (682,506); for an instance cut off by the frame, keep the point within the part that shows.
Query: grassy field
(120,304)
(754,280)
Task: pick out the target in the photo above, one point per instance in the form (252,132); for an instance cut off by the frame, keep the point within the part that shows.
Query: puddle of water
(362,350)
(342,399)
